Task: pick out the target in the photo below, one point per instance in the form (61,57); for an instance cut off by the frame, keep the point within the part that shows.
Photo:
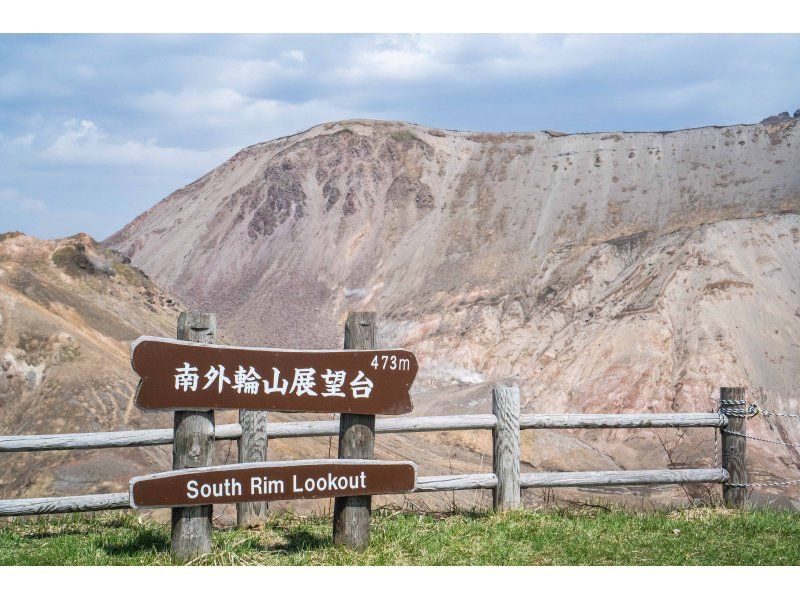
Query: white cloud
(75,133)
(83,142)
(247,74)
(23,140)
(476,58)
(294,55)
(13,200)
(194,102)
(229,110)
(29,204)
(396,57)
(162,110)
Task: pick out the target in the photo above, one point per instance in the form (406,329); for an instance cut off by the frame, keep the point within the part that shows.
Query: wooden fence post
(506,448)
(351,514)
(734,446)
(193,447)
(252,446)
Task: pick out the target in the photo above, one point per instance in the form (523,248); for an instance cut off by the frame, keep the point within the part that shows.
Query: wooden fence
(505,422)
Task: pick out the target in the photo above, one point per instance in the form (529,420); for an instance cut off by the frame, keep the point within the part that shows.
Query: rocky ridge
(608,271)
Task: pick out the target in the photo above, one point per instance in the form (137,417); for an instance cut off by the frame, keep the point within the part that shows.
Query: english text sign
(192,376)
(278,480)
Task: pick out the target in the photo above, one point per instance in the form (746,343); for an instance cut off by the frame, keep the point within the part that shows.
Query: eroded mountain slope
(68,311)
(608,271)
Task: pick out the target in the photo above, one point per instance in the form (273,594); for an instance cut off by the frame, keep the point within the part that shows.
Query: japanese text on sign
(304,381)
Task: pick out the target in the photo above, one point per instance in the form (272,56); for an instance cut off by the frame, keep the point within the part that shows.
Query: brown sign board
(268,481)
(181,375)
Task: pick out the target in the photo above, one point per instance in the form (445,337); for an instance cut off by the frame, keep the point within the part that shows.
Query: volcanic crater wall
(608,271)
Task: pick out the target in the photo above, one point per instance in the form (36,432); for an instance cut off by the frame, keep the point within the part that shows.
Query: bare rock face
(69,310)
(608,271)
(778,118)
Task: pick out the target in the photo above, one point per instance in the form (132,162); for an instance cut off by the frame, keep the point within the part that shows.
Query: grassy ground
(552,537)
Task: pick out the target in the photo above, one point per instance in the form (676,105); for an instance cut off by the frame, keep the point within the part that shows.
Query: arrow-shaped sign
(267,481)
(181,375)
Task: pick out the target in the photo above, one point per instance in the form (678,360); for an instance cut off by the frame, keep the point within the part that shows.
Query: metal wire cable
(762,411)
(738,408)
(763,484)
(762,439)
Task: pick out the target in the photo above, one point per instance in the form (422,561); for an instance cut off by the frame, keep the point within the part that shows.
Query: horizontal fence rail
(544,421)
(309,429)
(466,481)
(99,440)
(193,435)
(469,481)
(64,504)
(443,423)
(397,425)
(577,479)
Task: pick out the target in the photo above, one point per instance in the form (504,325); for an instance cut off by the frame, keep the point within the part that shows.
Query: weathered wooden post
(190,378)
(734,446)
(193,447)
(252,447)
(351,514)
(506,448)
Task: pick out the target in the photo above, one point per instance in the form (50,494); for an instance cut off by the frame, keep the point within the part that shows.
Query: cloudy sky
(96,129)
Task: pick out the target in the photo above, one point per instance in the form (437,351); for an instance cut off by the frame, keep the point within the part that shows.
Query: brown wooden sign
(179,375)
(278,480)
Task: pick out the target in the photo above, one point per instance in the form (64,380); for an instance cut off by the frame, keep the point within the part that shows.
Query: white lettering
(216,374)
(303,383)
(261,486)
(334,380)
(278,384)
(246,380)
(327,482)
(361,386)
(191,488)
(186,378)
(332,482)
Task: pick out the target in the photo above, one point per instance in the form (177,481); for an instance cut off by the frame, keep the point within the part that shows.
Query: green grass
(404,136)
(551,537)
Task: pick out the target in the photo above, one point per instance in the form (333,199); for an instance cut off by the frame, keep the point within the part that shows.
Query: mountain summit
(608,271)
